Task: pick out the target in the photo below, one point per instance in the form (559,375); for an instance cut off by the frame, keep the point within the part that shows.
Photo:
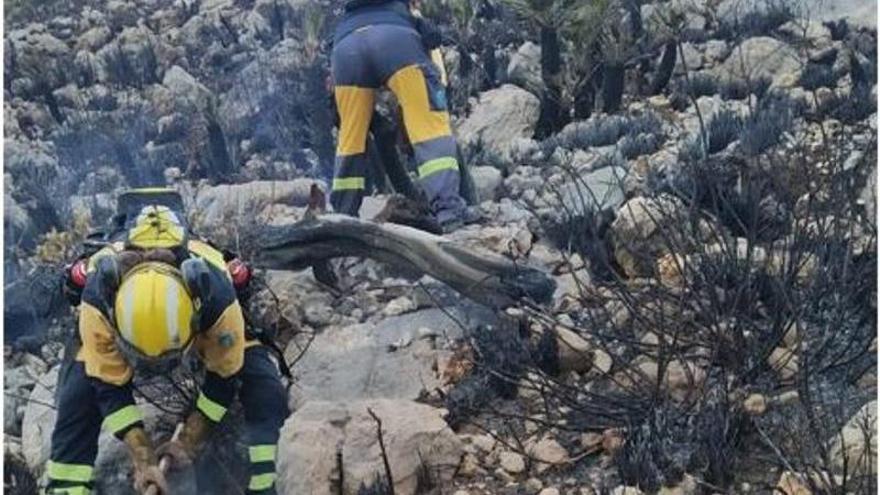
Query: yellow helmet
(157,226)
(153,311)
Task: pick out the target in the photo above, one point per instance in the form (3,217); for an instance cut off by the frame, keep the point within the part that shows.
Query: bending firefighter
(381,43)
(148,301)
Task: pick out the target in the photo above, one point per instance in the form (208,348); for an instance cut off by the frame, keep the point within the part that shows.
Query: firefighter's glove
(146,469)
(182,451)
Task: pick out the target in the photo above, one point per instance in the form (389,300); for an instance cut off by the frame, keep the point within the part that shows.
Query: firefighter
(380,43)
(148,302)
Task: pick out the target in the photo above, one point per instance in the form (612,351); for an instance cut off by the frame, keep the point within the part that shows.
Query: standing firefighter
(381,43)
(149,300)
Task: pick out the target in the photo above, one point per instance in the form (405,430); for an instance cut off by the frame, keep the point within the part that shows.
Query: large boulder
(131,59)
(18,382)
(263,84)
(333,447)
(93,39)
(500,118)
(18,227)
(692,59)
(28,163)
(186,89)
(31,300)
(36,61)
(38,420)
(759,57)
(524,68)
(121,14)
(487,180)
(393,358)
(855,447)
(641,232)
(216,206)
(600,190)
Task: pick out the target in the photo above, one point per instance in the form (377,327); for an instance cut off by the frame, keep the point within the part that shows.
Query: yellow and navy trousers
(86,404)
(393,56)
(264,401)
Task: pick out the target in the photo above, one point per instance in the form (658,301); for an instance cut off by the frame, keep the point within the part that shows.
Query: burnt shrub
(764,128)
(644,135)
(839,29)
(691,150)
(645,123)
(379,487)
(92,140)
(598,131)
(855,107)
(723,129)
(738,89)
(501,362)
(743,199)
(735,89)
(603,131)
(685,90)
(17,478)
(737,258)
(701,84)
(638,145)
(761,86)
(132,70)
(815,76)
(759,21)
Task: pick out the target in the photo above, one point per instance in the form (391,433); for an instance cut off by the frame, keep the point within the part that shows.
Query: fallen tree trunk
(485,277)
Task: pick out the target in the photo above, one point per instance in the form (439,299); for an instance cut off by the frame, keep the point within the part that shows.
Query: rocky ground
(217,98)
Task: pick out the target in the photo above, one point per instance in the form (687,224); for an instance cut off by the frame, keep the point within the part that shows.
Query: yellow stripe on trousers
(438,165)
(71,490)
(261,481)
(355,106)
(262,453)
(60,471)
(411,89)
(348,183)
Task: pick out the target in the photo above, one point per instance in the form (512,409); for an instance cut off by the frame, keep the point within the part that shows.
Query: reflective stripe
(152,190)
(437,58)
(127,324)
(93,260)
(210,254)
(438,165)
(173,297)
(123,418)
(261,481)
(348,183)
(262,453)
(209,408)
(59,471)
(70,490)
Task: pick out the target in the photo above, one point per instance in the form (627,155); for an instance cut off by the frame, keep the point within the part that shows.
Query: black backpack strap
(264,338)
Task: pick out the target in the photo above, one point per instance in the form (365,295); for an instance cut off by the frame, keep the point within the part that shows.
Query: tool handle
(152,490)
(164,462)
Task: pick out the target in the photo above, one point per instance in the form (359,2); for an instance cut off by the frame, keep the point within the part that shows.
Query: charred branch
(486,278)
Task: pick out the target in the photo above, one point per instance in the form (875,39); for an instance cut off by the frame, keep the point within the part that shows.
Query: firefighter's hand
(147,476)
(177,455)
